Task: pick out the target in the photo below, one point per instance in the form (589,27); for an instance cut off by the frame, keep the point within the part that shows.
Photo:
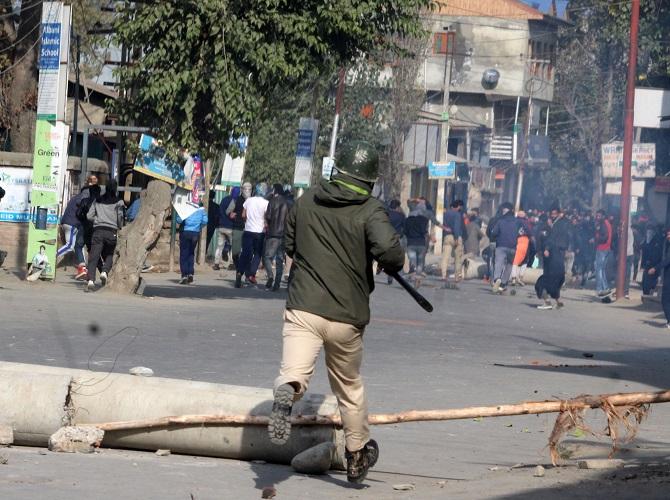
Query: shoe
(81,272)
(276,286)
(90,286)
(217,267)
(279,428)
(496,286)
(627,296)
(189,278)
(545,307)
(103,278)
(146,268)
(231,267)
(252,280)
(668,326)
(269,284)
(359,462)
(238,280)
(183,280)
(559,304)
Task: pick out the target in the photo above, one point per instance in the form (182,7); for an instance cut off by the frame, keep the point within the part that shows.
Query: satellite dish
(490,78)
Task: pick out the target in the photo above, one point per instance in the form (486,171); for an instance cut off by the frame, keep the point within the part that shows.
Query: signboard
(15,206)
(662,185)
(442,170)
(53,61)
(651,105)
(49,165)
(636,188)
(307,131)
(643,165)
(327,167)
(183,203)
(232,171)
(152,160)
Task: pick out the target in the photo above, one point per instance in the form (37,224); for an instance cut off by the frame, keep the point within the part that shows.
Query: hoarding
(644,160)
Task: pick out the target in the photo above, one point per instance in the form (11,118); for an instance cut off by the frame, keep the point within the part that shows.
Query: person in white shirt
(254,235)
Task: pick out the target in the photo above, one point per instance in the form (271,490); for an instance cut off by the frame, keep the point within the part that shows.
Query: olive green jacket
(334,232)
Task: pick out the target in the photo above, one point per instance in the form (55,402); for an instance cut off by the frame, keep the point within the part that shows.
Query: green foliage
(207,68)
(590,88)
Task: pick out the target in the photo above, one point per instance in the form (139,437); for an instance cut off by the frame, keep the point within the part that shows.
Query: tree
(205,70)
(590,89)
(207,67)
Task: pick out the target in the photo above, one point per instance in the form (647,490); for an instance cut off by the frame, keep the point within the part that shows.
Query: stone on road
(314,460)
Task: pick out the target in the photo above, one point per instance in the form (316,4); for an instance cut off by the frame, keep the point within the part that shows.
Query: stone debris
(314,460)
(3,460)
(6,435)
(603,463)
(269,492)
(74,439)
(141,371)
(163,453)
(539,471)
(404,487)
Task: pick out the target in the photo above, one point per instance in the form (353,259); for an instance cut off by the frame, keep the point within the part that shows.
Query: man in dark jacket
(663,268)
(71,226)
(334,232)
(505,233)
(275,221)
(652,255)
(224,237)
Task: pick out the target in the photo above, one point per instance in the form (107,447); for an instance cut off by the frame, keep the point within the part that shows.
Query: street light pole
(627,149)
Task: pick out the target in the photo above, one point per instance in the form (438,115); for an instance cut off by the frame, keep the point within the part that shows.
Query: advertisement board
(442,170)
(153,160)
(643,165)
(49,165)
(305,152)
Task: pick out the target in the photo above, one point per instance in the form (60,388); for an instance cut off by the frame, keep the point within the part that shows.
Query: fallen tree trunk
(136,240)
(526,408)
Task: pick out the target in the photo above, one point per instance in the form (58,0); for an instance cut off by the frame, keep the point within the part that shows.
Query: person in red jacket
(603,242)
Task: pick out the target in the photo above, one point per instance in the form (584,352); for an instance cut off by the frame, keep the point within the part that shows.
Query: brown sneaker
(359,462)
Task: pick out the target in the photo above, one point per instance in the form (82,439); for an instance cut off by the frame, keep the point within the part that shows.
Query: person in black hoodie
(505,232)
(416,234)
(663,268)
(555,245)
(275,221)
(652,255)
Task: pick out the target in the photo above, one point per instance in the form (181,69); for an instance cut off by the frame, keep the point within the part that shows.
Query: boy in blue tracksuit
(188,240)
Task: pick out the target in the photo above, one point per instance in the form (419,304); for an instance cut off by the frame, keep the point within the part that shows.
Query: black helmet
(358,159)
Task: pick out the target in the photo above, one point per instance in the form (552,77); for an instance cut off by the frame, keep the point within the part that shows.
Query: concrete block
(314,460)
(6,435)
(73,439)
(614,463)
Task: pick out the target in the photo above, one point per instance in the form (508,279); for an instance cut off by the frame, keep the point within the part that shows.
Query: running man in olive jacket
(334,232)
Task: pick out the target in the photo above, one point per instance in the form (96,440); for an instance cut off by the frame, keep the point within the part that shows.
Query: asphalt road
(475,349)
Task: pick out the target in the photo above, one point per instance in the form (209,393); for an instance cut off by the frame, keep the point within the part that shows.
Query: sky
(545,4)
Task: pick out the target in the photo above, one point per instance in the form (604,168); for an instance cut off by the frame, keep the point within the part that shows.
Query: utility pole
(444,133)
(524,150)
(75,114)
(338,108)
(627,148)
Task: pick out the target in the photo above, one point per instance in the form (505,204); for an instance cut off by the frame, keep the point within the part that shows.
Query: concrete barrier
(37,400)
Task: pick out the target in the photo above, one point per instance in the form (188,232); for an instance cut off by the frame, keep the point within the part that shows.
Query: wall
(491,43)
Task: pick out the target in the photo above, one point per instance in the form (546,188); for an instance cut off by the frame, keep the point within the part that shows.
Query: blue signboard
(153,161)
(305,136)
(442,170)
(50,46)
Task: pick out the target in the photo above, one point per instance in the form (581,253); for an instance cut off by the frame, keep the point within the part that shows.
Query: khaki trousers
(455,245)
(303,336)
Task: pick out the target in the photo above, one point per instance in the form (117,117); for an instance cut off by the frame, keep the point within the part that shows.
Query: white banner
(636,188)
(232,171)
(643,165)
